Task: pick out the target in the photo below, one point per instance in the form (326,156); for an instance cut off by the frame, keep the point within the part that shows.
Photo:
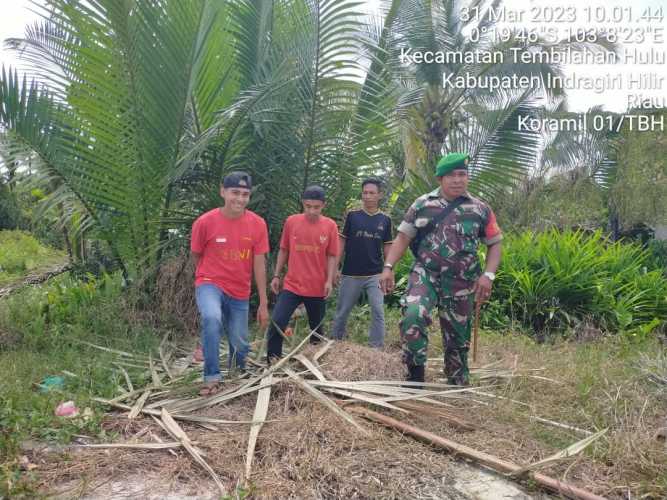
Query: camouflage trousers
(424,293)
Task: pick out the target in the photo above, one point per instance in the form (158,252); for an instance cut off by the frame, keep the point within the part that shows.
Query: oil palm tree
(139,108)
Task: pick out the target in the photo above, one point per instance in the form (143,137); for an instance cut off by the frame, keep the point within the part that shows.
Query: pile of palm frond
(168,398)
(288,427)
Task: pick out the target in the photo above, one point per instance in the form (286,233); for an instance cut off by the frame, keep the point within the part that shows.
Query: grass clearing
(603,386)
(615,381)
(21,253)
(41,329)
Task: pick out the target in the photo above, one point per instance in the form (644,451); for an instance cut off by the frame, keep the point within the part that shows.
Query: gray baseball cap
(237,180)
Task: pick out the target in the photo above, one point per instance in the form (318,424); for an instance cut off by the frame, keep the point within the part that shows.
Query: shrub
(39,317)
(553,280)
(658,254)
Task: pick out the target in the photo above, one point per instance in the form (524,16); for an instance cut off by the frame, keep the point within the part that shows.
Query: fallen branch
(488,394)
(322,351)
(382,390)
(136,409)
(485,459)
(137,357)
(128,381)
(204,402)
(133,446)
(562,426)
(365,399)
(34,279)
(310,366)
(178,416)
(157,382)
(164,360)
(324,400)
(246,388)
(159,440)
(568,452)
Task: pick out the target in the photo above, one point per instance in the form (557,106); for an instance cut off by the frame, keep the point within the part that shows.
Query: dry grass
(352,362)
(602,386)
(176,294)
(307,452)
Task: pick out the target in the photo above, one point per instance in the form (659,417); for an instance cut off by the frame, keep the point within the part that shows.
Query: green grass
(41,329)
(21,253)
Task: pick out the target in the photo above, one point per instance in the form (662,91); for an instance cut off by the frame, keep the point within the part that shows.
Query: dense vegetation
(148,104)
(556,280)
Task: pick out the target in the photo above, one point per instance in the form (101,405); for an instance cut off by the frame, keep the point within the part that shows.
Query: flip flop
(210,389)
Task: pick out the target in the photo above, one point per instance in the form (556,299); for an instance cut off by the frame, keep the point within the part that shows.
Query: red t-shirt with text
(309,244)
(227,248)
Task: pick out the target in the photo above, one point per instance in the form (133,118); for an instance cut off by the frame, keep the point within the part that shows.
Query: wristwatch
(490,275)
(388,265)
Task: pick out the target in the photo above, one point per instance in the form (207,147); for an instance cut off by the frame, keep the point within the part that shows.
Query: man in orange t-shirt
(228,245)
(309,245)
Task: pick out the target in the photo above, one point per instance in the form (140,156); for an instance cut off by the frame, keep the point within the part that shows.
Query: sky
(16,14)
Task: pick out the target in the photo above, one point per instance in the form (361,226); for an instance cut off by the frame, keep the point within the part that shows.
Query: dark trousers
(282,312)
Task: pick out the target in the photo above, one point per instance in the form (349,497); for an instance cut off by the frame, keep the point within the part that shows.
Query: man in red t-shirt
(309,245)
(228,245)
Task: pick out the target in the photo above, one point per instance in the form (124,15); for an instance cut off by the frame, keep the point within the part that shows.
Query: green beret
(452,161)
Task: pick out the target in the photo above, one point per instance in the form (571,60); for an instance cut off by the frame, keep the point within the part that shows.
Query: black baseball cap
(313,192)
(237,180)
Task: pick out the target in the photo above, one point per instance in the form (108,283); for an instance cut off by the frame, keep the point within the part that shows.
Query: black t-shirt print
(365,235)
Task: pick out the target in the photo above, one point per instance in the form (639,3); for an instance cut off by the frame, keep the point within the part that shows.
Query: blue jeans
(217,309)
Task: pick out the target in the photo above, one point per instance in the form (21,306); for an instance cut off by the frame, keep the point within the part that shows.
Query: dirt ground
(463,482)
(304,450)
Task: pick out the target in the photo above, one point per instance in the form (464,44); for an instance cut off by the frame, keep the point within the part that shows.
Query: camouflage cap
(452,161)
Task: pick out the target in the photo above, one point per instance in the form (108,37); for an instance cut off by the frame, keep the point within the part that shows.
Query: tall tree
(437,118)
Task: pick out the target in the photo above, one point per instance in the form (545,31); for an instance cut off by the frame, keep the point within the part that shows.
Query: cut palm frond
(568,452)
(261,410)
(177,432)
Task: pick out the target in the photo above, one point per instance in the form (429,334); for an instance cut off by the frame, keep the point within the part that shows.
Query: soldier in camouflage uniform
(446,272)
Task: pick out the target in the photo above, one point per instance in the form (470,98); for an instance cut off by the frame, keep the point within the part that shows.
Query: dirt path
(471,483)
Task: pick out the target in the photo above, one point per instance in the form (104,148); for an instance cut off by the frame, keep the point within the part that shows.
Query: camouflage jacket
(450,250)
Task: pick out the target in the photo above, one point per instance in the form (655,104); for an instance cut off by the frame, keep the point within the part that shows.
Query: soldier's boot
(462,381)
(416,374)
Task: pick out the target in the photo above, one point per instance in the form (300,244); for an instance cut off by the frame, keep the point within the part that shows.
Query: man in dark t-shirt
(365,237)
